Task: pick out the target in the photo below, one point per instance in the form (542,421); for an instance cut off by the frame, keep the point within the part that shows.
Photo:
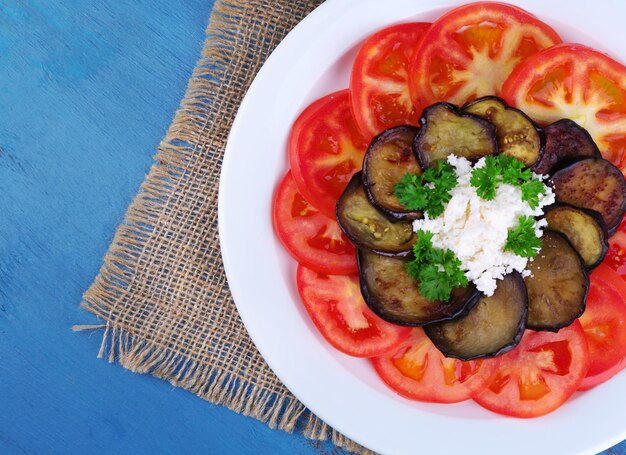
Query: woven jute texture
(162,290)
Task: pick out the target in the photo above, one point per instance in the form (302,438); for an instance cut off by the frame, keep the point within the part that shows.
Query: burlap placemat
(162,289)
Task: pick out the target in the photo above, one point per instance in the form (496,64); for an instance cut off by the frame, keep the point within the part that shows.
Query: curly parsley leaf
(423,246)
(441,175)
(531,191)
(437,270)
(485,179)
(523,240)
(428,192)
(506,169)
(512,170)
(433,283)
(411,192)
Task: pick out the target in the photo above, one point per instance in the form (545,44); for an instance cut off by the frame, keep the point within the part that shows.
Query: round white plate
(313,60)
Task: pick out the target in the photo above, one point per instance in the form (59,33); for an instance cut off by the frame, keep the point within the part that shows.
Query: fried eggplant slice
(367,227)
(516,133)
(566,142)
(494,326)
(557,286)
(583,228)
(394,295)
(388,158)
(596,184)
(445,130)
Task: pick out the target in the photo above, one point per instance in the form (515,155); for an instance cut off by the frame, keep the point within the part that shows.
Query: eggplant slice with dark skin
(557,286)
(583,228)
(517,135)
(494,326)
(388,158)
(596,184)
(367,227)
(446,130)
(566,142)
(394,295)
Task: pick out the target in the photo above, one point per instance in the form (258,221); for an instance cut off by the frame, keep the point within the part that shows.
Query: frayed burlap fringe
(162,290)
(216,386)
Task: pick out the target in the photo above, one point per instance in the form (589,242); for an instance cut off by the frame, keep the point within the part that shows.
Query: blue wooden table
(87,89)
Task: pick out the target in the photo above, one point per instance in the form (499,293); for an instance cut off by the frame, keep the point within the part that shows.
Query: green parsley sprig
(428,192)
(437,270)
(522,240)
(506,169)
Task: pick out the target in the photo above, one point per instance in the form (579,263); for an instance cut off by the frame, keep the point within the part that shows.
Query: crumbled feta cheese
(476,229)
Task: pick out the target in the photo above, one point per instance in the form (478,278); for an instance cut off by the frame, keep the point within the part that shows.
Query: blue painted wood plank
(87,90)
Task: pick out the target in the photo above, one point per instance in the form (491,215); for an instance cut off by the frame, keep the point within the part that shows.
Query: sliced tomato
(325,150)
(576,82)
(540,374)
(337,308)
(311,237)
(419,371)
(379,85)
(470,51)
(616,256)
(604,322)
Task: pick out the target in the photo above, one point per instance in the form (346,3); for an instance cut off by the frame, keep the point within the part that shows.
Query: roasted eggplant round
(388,158)
(557,286)
(446,130)
(367,227)
(596,184)
(518,136)
(583,228)
(394,295)
(494,326)
(566,142)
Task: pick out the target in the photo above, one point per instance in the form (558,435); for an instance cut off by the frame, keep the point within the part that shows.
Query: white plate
(313,60)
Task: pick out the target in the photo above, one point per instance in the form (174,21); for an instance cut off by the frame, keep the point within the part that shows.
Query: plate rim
(322,11)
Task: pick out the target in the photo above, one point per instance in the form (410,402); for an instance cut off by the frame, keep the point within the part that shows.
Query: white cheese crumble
(476,229)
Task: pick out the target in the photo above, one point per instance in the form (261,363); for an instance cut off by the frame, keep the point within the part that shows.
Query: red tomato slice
(579,83)
(604,322)
(540,374)
(379,86)
(337,308)
(470,51)
(616,256)
(325,150)
(310,237)
(419,371)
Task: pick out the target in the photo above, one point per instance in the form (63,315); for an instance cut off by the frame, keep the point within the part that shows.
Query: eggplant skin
(493,327)
(566,143)
(568,225)
(517,134)
(596,184)
(446,130)
(394,296)
(367,227)
(550,287)
(388,158)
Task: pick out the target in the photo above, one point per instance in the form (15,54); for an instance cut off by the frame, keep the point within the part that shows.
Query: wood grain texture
(87,90)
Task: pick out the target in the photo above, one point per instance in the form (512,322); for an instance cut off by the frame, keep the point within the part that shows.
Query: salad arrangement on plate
(457,213)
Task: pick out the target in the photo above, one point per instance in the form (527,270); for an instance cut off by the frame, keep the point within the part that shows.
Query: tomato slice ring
(325,149)
(419,371)
(540,374)
(337,308)
(311,237)
(604,323)
(576,82)
(379,85)
(470,51)
(616,256)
